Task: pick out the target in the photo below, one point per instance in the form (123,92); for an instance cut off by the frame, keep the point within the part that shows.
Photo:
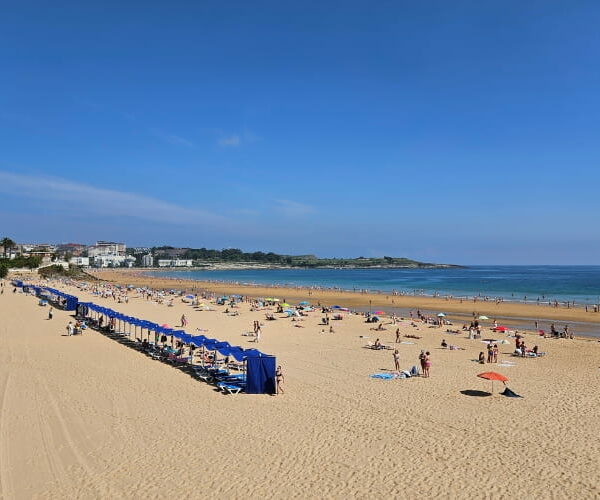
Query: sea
(578,284)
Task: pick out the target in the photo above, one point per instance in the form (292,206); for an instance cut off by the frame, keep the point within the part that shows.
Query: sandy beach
(86,417)
(506,312)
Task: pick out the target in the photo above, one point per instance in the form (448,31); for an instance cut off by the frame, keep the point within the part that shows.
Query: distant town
(110,254)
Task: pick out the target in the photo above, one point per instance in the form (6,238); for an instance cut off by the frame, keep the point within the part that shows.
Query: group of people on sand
(75,328)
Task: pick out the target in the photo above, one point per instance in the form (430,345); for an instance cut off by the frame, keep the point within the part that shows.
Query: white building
(107,248)
(147,260)
(174,262)
(80,261)
(114,261)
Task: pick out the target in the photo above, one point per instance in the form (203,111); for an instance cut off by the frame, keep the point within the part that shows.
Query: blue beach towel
(385,376)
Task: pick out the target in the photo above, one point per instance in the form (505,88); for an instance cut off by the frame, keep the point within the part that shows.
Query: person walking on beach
(50,313)
(495,353)
(70,329)
(397,360)
(427,364)
(279,381)
(422,362)
(183,320)
(397,335)
(258,332)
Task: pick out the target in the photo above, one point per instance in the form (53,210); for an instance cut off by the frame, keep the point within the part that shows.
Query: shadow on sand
(474,393)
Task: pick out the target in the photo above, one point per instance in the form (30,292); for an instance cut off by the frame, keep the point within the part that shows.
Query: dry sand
(85,417)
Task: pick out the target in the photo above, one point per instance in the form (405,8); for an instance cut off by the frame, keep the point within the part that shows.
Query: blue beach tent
(260,375)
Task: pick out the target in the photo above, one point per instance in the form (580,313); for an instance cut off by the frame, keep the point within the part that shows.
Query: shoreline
(512,312)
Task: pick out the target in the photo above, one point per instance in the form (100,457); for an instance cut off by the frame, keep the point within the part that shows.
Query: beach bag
(414,371)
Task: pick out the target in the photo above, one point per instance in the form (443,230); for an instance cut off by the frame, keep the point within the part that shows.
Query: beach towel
(385,376)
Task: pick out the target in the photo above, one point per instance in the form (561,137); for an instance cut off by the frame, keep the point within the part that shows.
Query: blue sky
(464,132)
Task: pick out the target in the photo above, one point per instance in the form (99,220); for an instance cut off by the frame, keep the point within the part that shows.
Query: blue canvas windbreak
(260,375)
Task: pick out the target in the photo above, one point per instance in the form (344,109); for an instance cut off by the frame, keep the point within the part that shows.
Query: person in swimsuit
(427,364)
(397,335)
(397,360)
(279,380)
(495,353)
(422,362)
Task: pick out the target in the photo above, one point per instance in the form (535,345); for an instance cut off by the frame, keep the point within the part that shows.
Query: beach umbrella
(441,315)
(304,303)
(483,317)
(189,296)
(493,376)
(377,313)
(501,329)
(285,304)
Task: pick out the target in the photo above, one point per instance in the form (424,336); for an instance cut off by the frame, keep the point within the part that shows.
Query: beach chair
(230,388)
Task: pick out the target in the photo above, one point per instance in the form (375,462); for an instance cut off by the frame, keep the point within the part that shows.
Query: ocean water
(511,283)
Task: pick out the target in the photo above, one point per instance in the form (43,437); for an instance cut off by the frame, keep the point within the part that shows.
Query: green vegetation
(231,255)
(56,270)
(21,262)
(6,244)
(3,270)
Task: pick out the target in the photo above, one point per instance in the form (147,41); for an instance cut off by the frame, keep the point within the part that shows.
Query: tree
(3,270)
(7,244)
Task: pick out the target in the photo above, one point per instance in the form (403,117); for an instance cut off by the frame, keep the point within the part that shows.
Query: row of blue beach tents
(260,367)
(223,348)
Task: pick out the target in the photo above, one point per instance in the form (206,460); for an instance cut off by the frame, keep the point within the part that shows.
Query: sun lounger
(230,388)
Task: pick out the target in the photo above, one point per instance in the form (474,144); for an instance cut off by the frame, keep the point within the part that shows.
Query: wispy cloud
(172,138)
(86,199)
(294,208)
(232,141)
